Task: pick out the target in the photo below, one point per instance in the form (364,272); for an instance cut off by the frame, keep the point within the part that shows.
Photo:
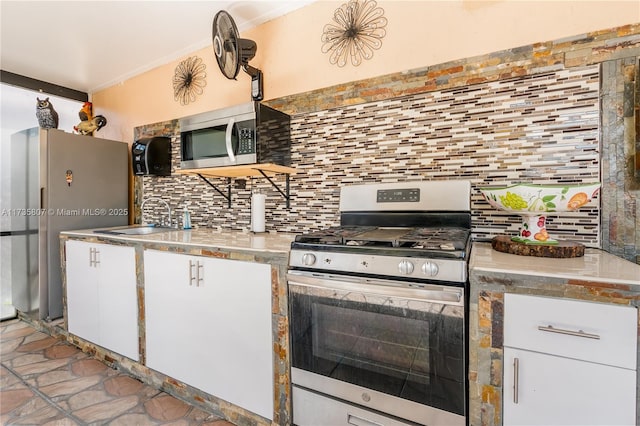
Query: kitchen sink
(135,230)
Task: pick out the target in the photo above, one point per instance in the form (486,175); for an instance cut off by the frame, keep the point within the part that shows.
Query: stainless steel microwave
(250,133)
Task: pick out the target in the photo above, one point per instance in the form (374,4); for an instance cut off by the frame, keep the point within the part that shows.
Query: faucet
(162,223)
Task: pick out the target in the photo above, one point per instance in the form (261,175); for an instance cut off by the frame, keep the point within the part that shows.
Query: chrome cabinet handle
(191,277)
(96,257)
(359,421)
(516,373)
(196,277)
(200,278)
(579,333)
(93,257)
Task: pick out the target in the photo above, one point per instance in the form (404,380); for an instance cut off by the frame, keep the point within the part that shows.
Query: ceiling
(91,45)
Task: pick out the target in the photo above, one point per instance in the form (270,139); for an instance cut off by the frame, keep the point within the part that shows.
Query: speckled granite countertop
(595,266)
(202,237)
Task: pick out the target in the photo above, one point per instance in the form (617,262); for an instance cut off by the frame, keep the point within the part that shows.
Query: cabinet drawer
(312,409)
(589,331)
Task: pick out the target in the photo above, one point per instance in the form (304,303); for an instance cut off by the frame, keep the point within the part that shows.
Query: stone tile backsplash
(541,128)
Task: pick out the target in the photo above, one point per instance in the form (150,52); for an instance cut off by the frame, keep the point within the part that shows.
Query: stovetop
(446,242)
(417,254)
(407,230)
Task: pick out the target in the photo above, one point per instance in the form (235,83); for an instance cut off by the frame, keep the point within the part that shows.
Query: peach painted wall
(419,34)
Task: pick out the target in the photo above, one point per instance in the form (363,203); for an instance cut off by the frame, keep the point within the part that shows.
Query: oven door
(395,347)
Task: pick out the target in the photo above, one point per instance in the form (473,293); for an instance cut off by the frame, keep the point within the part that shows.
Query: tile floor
(44,381)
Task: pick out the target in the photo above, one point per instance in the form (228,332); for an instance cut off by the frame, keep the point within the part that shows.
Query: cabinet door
(208,324)
(239,308)
(82,291)
(102,301)
(553,390)
(117,299)
(172,317)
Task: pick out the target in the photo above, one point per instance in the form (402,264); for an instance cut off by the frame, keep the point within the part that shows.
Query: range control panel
(426,196)
(404,195)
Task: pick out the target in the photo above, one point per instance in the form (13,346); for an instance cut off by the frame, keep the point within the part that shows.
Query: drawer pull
(578,333)
(359,421)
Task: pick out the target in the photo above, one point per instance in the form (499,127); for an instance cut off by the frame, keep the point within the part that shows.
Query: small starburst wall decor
(357,29)
(189,80)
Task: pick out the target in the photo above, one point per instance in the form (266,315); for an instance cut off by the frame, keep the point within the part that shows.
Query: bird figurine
(89,126)
(47,116)
(89,123)
(86,113)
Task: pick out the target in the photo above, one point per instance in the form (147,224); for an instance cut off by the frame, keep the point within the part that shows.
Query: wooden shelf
(251,170)
(239,171)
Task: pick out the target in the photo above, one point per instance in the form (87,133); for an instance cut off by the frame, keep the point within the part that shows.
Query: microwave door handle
(227,139)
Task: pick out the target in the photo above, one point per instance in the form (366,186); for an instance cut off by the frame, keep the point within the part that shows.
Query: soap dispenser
(186,218)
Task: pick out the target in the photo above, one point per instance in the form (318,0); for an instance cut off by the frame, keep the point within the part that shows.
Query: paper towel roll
(258,212)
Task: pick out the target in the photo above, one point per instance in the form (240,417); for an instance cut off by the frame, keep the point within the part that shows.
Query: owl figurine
(47,116)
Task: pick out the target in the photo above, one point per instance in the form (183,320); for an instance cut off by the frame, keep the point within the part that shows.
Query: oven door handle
(416,291)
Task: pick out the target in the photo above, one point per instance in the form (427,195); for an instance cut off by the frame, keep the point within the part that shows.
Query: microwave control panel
(246,140)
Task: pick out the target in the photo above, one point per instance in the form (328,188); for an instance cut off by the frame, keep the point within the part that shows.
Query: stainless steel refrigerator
(59,181)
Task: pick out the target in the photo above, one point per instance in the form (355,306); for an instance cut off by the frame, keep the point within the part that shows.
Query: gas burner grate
(333,236)
(378,237)
(447,239)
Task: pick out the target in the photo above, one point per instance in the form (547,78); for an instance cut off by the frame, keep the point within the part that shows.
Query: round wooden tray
(564,249)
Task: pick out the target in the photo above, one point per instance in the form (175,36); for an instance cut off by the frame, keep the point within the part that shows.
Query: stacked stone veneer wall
(530,114)
(486,328)
(620,104)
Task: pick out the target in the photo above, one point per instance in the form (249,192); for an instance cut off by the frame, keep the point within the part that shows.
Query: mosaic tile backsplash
(541,128)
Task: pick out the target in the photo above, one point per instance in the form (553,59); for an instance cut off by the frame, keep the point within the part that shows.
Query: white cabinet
(102,301)
(553,390)
(568,362)
(208,324)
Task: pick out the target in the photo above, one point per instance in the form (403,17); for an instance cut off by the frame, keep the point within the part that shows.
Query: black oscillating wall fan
(232,52)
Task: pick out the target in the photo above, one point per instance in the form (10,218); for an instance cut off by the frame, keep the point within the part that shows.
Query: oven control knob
(405,267)
(430,269)
(308,259)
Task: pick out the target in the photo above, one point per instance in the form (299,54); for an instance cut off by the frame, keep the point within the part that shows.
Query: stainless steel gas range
(378,308)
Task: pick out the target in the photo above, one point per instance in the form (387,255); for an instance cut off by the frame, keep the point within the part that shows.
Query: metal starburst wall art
(356,31)
(189,80)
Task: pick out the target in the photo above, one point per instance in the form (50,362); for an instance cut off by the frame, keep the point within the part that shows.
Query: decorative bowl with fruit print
(535,202)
